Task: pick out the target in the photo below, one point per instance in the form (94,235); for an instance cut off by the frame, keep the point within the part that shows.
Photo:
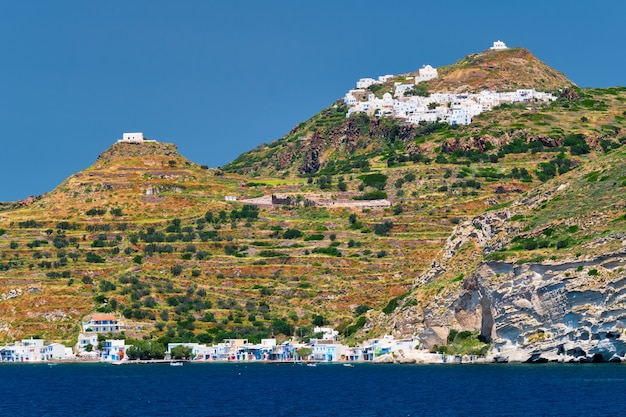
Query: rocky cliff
(559,308)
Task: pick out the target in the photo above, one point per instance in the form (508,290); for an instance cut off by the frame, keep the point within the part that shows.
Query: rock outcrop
(573,311)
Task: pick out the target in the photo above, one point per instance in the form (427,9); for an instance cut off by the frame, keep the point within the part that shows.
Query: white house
(426,73)
(113,350)
(365,82)
(401,88)
(136,137)
(498,45)
(85,339)
(326,350)
(55,351)
(102,323)
(349,99)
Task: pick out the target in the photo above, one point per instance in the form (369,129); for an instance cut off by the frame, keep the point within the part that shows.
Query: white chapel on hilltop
(136,137)
(499,45)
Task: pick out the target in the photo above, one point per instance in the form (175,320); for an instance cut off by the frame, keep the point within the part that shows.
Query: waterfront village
(102,340)
(407,103)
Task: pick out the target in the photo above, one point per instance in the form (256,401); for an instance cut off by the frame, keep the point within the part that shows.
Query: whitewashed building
(136,137)
(113,350)
(85,340)
(499,45)
(27,350)
(426,73)
(366,82)
(102,323)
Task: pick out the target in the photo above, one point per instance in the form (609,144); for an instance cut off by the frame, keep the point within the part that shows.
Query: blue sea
(93,390)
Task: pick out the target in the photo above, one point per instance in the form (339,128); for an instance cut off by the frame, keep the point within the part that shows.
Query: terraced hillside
(180,259)
(365,224)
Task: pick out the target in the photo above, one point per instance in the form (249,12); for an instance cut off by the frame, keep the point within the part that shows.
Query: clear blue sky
(218,78)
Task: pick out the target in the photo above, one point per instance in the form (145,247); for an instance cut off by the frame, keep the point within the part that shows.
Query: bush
(378,181)
(94,258)
(331,251)
(176,270)
(292,234)
(96,212)
(350,330)
(271,254)
(391,305)
(383,229)
(362,309)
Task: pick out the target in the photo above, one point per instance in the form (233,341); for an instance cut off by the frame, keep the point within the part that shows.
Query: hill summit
(507,69)
(142,179)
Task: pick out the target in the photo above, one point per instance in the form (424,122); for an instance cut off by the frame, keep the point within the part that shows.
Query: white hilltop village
(455,109)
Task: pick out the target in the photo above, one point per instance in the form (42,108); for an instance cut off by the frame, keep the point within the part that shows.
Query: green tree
(304,352)
(181,352)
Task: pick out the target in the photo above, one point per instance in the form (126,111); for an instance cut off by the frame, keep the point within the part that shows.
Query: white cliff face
(574,311)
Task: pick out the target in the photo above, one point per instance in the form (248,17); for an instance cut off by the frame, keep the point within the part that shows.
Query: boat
(311,364)
(176,364)
(349,365)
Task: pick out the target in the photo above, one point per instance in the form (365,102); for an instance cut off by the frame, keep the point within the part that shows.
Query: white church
(499,45)
(136,137)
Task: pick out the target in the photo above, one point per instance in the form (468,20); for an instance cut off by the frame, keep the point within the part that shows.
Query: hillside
(366,223)
(499,70)
(331,143)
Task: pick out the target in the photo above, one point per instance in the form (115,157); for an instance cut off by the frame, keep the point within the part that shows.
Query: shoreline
(384,361)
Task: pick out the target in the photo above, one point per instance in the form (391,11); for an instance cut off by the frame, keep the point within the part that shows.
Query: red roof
(103,317)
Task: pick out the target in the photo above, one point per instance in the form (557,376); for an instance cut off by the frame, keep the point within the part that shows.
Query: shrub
(176,270)
(96,212)
(362,309)
(292,234)
(331,251)
(383,229)
(94,258)
(391,305)
(271,254)
(378,181)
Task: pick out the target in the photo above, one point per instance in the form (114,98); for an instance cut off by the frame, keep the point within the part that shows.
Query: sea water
(215,389)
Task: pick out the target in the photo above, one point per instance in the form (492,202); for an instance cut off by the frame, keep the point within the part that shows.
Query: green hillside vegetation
(147,234)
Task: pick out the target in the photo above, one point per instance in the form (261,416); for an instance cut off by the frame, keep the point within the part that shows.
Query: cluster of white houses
(450,108)
(89,347)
